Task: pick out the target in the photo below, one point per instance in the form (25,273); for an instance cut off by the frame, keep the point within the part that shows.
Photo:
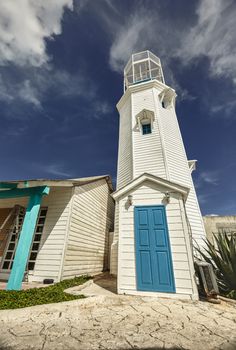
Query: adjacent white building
(157,216)
(71,233)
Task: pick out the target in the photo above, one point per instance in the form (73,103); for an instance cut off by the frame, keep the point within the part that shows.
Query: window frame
(144,126)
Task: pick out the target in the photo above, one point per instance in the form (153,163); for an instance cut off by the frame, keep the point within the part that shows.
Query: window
(167,98)
(147,129)
(144,121)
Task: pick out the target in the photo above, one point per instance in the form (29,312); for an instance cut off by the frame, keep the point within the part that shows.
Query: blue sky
(61,68)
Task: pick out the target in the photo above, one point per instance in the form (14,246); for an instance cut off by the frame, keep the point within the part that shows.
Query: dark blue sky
(61,77)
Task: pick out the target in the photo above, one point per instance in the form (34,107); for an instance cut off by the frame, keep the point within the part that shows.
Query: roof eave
(149,177)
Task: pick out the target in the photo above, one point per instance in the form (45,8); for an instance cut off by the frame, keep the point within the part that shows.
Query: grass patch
(12,299)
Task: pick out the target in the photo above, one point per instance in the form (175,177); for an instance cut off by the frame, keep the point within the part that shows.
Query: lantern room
(142,66)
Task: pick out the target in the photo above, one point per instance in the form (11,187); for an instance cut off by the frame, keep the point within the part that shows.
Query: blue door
(154,268)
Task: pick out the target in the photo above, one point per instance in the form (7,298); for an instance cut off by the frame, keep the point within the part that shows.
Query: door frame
(168,242)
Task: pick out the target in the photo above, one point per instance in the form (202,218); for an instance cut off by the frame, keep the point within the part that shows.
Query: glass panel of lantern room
(140,56)
(141,71)
(129,76)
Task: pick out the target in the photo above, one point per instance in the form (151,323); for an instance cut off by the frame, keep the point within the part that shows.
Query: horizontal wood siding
(147,194)
(178,168)
(114,246)
(125,161)
(147,149)
(4,212)
(91,219)
(49,259)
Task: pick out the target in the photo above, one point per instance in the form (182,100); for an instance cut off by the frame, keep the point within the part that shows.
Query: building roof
(155,179)
(59,182)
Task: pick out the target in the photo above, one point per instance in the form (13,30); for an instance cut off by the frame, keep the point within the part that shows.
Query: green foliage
(38,296)
(222,256)
(232,294)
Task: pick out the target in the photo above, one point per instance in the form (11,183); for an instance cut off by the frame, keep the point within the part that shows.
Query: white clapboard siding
(50,257)
(114,245)
(90,222)
(160,153)
(178,168)
(125,162)
(147,149)
(179,240)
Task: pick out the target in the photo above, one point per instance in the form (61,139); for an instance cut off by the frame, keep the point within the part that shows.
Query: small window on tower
(147,129)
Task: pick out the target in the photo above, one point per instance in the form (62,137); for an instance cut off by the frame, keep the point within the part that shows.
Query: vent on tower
(142,66)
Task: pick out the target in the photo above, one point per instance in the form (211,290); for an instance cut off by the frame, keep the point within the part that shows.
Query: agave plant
(222,256)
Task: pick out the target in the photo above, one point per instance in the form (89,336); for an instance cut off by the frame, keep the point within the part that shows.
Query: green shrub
(222,256)
(37,296)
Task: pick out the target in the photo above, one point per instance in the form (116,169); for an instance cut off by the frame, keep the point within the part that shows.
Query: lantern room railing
(141,67)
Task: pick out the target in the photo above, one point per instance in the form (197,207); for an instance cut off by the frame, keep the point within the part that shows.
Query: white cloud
(24,25)
(213,36)
(127,40)
(55,169)
(208,177)
(100,109)
(146,30)
(29,94)
(223,108)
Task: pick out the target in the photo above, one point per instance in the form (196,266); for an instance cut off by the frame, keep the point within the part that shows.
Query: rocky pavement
(120,322)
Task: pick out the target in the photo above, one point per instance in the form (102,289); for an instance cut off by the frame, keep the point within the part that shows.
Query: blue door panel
(146,268)
(158,217)
(154,268)
(144,238)
(163,269)
(160,238)
(143,217)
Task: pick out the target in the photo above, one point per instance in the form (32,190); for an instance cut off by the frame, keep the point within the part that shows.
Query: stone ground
(109,321)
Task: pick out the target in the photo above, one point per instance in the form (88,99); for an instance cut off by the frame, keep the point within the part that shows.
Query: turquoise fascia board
(24,192)
(8,185)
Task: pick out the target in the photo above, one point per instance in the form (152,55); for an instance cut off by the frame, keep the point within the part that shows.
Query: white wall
(148,194)
(114,246)
(148,153)
(160,153)
(49,259)
(91,219)
(178,168)
(125,160)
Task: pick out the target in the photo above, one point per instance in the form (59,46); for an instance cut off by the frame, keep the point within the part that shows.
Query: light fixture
(167,197)
(130,199)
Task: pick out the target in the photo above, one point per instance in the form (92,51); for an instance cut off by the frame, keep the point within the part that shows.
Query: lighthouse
(157,220)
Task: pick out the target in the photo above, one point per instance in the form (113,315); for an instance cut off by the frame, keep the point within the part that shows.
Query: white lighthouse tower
(158,219)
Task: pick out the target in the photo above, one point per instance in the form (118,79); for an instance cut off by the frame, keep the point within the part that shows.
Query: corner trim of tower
(139,87)
(155,179)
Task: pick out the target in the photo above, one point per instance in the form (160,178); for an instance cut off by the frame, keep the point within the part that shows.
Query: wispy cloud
(128,40)
(54,169)
(32,87)
(213,36)
(23,41)
(226,108)
(144,30)
(208,177)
